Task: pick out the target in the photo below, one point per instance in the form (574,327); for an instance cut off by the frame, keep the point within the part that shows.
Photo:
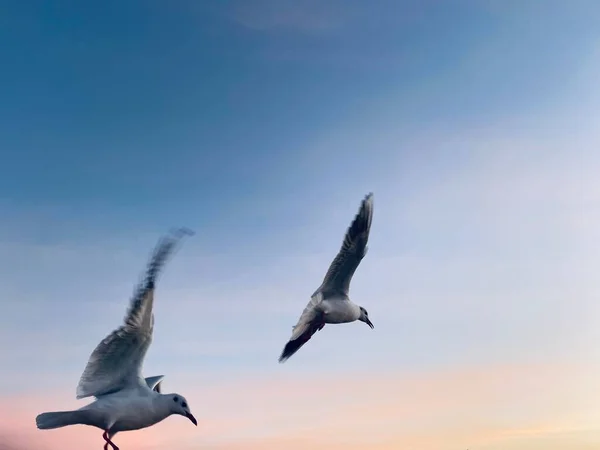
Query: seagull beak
(368,322)
(192,418)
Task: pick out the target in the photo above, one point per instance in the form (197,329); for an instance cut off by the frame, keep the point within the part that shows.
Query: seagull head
(179,405)
(364,317)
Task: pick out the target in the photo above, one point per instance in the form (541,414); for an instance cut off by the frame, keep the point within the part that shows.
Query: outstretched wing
(117,360)
(310,322)
(354,248)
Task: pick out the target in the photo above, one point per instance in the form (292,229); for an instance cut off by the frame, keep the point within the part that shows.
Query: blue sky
(133,107)
(261,125)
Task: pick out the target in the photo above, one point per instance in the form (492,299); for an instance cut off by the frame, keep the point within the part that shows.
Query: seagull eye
(184,404)
(175,399)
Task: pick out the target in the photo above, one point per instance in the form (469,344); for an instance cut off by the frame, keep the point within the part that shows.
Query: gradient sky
(261,125)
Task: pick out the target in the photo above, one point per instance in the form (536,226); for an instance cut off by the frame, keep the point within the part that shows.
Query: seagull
(124,399)
(330,302)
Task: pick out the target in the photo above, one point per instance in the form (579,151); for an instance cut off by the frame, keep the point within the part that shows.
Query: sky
(261,125)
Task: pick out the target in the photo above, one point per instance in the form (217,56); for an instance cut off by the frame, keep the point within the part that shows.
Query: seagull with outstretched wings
(124,399)
(330,302)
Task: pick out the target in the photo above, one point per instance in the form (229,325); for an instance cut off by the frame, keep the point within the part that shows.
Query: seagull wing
(353,250)
(309,323)
(117,360)
(154,382)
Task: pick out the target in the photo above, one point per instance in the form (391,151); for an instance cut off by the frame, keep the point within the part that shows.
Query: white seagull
(124,399)
(330,302)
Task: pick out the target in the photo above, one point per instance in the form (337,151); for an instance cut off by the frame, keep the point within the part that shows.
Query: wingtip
(180,233)
(285,353)
(183,231)
(163,250)
(290,349)
(366,206)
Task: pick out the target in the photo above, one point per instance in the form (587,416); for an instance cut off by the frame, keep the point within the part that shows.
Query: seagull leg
(105,437)
(112,444)
(108,441)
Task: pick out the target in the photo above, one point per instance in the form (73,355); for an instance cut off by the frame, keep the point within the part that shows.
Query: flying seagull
(330,302)
(124,399)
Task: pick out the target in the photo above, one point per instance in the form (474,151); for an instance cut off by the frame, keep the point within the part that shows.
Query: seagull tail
(50,420)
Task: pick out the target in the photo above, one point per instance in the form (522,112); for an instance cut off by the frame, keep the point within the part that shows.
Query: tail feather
(50,420)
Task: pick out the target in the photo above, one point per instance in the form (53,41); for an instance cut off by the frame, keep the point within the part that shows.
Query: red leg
(105,437)
(108,441)
(112,444)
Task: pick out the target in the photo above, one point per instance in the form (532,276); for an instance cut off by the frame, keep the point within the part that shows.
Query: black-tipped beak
(192,418)
(368,322)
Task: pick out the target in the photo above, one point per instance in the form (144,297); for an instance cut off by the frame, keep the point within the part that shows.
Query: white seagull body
(124,399)
(330,302)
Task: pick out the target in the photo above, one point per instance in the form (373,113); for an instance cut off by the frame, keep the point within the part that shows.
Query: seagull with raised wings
(330,302)
(124,399)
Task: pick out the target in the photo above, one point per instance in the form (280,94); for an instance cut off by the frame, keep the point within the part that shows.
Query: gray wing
(154,382)
(309,315)
(117,360)
(354,248)
(310,321)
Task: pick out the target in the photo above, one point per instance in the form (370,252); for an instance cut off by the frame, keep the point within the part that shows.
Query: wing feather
(310,321)
(117,360)
(336,280)
(353,250)
(154,382)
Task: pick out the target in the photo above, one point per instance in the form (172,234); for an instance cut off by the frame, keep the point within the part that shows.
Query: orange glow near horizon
(493,408)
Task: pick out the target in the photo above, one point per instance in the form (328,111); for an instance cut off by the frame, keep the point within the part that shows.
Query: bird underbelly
(339,317)
(134,422)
